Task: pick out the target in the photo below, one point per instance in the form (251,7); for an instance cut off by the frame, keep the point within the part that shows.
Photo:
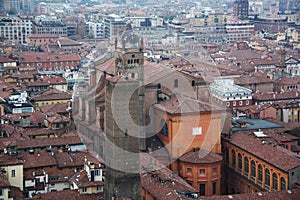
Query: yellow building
(50,97)
(4,187)
(255,162)
(210,20)
(13,168)
(287,111)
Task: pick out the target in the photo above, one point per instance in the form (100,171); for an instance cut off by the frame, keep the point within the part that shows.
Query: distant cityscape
(149,100)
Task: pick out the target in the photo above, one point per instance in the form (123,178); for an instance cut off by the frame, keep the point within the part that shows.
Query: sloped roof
(179,104)
(200,156)
(284,159)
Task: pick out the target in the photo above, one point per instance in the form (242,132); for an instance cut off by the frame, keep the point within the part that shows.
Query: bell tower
(124,119)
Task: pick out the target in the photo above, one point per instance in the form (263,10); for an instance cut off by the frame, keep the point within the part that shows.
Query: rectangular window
(98,188)
(13,173)
(214,171)
(84,189)
(214,188)
(189,170)
(1,192)
(97,172)
(241,103)
(227,104)
(176,83)
(247,102)
(197,131)
(202,172)
(202,189)
(234,103)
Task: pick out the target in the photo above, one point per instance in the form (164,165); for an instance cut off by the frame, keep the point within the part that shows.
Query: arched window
(260,175)
(246,163)
(233,159)
(164,126)
(275,181)
(282,184)
(226,155)
(193,83)
(267,178)
(253,169)
(239,162)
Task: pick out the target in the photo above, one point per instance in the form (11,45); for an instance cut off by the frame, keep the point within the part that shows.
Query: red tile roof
(292,194)
(160,181)
(45,142)
(200,156)
(52,96)
(265,149)
(16,193)
(42,57)
(288,81)
(7,160)
(4,183)
(66,195)
(71,159)
(179,104)
(56,118)
(53,80)
(254,108)
(30,174)
(59,108)
(287,95)
(38,159)
(257,78)
(5,59)
(62,175)
(81,180)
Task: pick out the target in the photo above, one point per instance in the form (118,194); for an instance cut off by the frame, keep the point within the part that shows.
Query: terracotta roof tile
(265,149)
(200,156)
(67,194)
(287,95)
(25,57)
(6,160)
(38,159)
(56,118)
(59,108)
(81,179)
(160,181)
(62,175)
(179,104)
(16,193)
(4,183)
(52,96)
(45,142)
(70,159)
(292,194)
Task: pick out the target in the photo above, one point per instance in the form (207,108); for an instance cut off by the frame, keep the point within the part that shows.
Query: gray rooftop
(252,124)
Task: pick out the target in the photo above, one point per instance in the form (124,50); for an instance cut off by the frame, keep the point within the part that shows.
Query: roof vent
(230,197)
(289,191)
